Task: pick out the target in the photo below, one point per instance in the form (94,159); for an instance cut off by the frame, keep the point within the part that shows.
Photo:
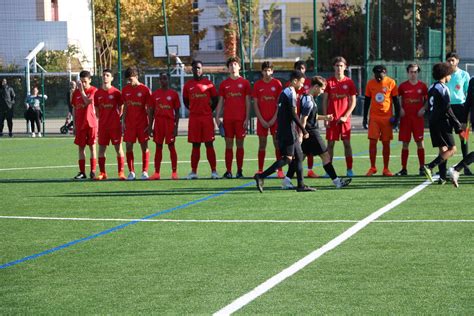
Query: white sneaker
(33,135)
(192,176)
(145,175)
(454,175)
(214,175)
(341,182)
(286,184)
(131,176)
(39,134)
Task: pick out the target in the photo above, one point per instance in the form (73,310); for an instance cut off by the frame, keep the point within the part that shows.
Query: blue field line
(119,227)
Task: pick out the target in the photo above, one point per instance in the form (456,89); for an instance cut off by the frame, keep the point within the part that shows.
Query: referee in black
(290,133)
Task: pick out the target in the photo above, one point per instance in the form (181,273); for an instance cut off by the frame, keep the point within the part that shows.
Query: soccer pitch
(382,245)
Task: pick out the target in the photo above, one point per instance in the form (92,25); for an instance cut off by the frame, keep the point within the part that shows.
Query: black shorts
(460,112)
(289,148)
(314,145)
(440,137)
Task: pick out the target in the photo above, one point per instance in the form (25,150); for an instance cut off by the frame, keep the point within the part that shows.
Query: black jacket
(7,97)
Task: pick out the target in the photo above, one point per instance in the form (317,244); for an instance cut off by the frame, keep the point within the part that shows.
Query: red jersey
(135,100)
(84,115)
(413,96)
(339,93)
(235,92)
(164,103)
(109,103)
(267,94)
(199,94)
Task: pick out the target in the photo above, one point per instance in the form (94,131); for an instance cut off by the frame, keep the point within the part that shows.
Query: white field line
(182,162)
(244,221)
(300,264)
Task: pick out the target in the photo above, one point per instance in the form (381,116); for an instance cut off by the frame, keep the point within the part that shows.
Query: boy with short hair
(234,99)
(109,108)
(85,123)
(135,96)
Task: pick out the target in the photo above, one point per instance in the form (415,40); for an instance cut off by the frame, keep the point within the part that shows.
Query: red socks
(261,159)
(386,154)
(372,152)
(82,165)
(158,158)
(240,158)
(120,163)
(349,161)
(421,156)
(310,161)
(93,164)
(173,158)
(404,158)
(145,160)
(228,159)
(130,159)
(195,156)
(211,157)
(102,164)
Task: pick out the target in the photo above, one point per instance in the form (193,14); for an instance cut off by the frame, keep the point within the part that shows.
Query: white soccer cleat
(39,134)
(192,176)
(145,175)
(131,176)
(286,184)
(33,135)
(454,175)
(214,175)
(341,182)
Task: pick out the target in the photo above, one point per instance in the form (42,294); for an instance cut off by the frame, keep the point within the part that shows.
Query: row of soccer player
(141,109)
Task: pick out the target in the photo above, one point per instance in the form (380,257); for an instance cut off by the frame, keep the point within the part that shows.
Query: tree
(60,61)
(251,32)
(341,21)
(140,21)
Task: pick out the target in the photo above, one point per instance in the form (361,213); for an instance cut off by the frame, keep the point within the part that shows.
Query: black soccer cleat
(403,172)
(227,175)
(259,182)
(421,172)
(441,181)
(239,174)
(92,175)
(80,176)
(305,188)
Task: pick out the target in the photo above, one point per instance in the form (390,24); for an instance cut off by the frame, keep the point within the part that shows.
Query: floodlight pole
(443,30)
(379,29)
(42,103)
(119,46)
(414,30)
(315,37)
(163,5)
(242,57)
(367,38)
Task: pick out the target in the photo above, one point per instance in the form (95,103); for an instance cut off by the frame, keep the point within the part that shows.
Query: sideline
(300,264)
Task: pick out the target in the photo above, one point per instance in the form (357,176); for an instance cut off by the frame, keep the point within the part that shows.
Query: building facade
(57,23)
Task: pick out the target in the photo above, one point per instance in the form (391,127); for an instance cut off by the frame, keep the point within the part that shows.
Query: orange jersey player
(380,95)
(164,112)
(135,96)
(85,123)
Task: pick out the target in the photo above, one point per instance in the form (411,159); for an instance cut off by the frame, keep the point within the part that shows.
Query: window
(295,25)
(54,10)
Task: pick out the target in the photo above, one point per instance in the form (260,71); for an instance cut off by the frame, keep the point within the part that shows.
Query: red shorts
(110,135)
(336,131)
(412,124)
(163,131)
(86,136)
(201,129)
(132,133)
(263,132)
(380,128)
(234,129)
